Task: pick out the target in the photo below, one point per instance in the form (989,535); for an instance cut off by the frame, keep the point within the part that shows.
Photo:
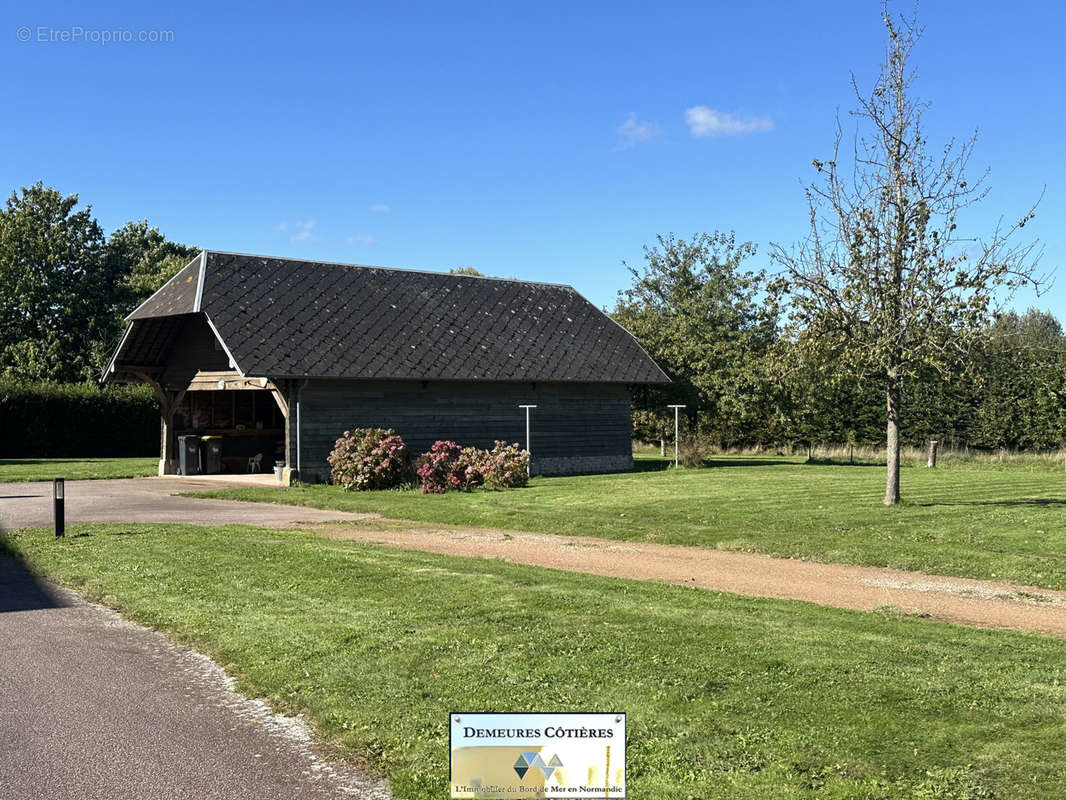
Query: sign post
(529,443)
(676,428)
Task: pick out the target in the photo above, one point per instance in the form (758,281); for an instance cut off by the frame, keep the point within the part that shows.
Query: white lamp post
(675,408)
(529,444)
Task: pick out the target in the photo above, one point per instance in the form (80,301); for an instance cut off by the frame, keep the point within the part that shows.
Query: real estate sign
(538,755)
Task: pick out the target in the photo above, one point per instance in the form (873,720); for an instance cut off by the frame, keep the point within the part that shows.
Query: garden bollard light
(57,506)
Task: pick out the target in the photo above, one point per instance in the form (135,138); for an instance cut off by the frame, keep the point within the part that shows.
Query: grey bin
(189,455)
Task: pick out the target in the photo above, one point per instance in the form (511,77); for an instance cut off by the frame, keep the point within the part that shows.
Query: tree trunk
(930,462)
(892,395)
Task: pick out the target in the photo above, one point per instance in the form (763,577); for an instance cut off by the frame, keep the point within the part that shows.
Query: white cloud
(302,229)
(381,208)
(633,131)
(360,238)
(703,121)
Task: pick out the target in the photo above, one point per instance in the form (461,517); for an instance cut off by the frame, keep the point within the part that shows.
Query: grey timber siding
(576,427)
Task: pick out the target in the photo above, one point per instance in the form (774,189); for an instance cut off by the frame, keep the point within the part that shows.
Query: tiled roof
(177,296)
(286,318)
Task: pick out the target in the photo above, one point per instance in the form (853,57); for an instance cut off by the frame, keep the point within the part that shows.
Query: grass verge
(960,521)
(728,697)
(75,469)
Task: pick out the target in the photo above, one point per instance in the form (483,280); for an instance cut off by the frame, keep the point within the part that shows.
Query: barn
(258,361)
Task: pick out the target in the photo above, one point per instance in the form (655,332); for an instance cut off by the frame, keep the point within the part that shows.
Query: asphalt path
(93,707)
(29,505)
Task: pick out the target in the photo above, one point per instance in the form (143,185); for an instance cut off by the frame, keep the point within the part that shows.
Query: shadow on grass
(20,589)
(651,465)
(1025,501)
(838,462)
(658,464)
(31,462)
(725,463)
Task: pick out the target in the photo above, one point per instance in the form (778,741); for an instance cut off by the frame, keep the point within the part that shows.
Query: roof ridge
(389,269)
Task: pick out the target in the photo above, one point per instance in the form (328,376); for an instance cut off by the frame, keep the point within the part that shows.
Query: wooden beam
(283,404)
(205,381)
(157,388)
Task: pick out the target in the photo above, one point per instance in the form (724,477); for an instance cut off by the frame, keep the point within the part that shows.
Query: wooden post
(283,405)
(168,404)
(662,448)
(931,461)
(168,456)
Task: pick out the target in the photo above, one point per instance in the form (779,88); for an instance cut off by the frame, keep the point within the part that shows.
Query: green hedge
(55,420)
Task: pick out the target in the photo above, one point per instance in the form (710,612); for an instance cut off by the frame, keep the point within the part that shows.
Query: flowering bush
(506,466)
(449,466)
(467,473)
(369,458)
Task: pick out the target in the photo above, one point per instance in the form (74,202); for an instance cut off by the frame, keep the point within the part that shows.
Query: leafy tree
(1019,382)
(64,289)
(54,293)
(701,317)
(884,277)
(652,425)
(465,271)
(815,401)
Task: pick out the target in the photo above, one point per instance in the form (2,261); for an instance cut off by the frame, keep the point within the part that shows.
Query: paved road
(26,505)
(96,708)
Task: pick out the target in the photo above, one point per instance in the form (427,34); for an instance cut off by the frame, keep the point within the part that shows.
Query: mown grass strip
(727,696)
(44,469)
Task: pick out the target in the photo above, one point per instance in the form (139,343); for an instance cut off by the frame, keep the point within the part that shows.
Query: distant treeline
(749,379)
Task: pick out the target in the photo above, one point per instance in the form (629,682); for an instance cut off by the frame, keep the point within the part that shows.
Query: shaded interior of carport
(213,419)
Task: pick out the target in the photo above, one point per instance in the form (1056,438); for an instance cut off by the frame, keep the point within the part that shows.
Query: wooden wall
(576,427)
(195,349)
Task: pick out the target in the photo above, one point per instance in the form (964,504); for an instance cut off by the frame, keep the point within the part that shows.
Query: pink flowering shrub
(364,459)
(506,466)
(467,473)
(449,466)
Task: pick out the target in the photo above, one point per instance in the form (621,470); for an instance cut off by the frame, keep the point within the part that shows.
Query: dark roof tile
(287,318)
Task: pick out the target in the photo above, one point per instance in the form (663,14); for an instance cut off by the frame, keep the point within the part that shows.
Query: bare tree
(884,277)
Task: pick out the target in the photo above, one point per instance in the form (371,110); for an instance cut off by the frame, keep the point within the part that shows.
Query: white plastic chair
(255,463)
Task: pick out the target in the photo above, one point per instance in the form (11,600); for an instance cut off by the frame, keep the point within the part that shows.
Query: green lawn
(44,469)
(727,697)
(967,520)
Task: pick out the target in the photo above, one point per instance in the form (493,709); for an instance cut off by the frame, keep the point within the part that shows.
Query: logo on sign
(528,761)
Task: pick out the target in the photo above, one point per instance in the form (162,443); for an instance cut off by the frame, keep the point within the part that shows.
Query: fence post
(931,460)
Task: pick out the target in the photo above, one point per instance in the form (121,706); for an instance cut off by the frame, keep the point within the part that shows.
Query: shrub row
(57,420)
(375,458)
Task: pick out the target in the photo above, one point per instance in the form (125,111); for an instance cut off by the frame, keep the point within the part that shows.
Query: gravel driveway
(964,601)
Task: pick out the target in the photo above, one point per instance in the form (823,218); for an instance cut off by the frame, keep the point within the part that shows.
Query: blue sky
(546,141)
